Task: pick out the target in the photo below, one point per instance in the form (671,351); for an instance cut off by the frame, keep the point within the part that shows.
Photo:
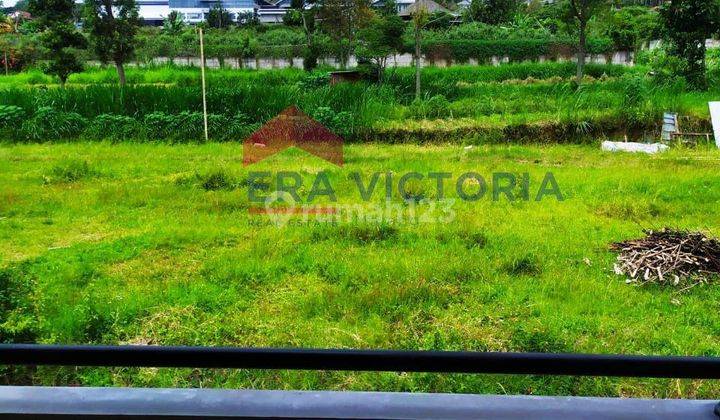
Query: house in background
(429,5)
(272,11)
(195,11)
(153,12)
(464,4)
(401,4)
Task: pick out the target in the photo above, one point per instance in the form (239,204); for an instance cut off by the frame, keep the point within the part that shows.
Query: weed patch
(70,171)
(528,265)
(362,233)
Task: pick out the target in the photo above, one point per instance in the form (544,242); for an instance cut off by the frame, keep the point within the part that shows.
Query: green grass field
(153,244)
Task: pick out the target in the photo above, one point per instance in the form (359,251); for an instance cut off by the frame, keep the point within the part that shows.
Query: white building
(195,11)
(272,11)
(153,12)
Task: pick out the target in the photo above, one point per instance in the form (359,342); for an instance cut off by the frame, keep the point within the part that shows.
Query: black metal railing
(364,360)
(126,403)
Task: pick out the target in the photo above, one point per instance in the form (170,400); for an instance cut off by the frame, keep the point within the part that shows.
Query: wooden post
(202,73)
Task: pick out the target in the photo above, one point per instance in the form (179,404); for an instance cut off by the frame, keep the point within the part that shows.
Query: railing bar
(364,360)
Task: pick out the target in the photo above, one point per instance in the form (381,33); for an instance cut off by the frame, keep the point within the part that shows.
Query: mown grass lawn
(153,244)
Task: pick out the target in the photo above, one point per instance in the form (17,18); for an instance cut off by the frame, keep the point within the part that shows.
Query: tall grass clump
(70,171)
(50,124)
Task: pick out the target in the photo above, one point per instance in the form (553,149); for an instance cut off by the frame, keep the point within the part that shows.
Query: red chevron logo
(291,128)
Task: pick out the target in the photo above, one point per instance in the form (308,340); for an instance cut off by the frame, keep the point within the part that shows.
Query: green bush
(217,181)
(436,107)
(324,115)
(713,66)
(185,126)
(11,116)
(666,68)
(315,80)
(50,124)
(241,126)
(114,127)
(341,123)
(18,324)
(160,125)
(462,50)
(189,126)
(632,26)
(70,171)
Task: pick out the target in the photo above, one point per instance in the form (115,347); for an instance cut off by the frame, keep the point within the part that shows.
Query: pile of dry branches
(668,257)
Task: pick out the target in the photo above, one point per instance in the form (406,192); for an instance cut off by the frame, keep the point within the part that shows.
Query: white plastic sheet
(619,146)
(715,116)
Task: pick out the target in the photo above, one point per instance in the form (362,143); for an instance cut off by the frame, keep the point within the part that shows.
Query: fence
(49,402)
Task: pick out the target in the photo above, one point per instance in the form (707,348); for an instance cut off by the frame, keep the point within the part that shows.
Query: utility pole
(202,73)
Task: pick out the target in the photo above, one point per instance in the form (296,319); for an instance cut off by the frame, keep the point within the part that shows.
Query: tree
(580,12)
(59,36)
(174,23)
(341,19)
(311,51)
(243,48)
(379,39)
(218,17)
(247,20)
(420,18)
(632,26)
(686,26)
(492,12)
(22,5)
(439,20)
(6,28)
(112,25)
(292,17)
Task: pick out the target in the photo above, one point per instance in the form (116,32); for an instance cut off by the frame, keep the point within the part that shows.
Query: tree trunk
(417,63)
(120,72)
(581,52)
(7,70)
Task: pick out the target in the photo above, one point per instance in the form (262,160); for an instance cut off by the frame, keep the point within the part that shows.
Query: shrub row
(448,80)
(257,100)
(48,124)
(462,50)
(563,131)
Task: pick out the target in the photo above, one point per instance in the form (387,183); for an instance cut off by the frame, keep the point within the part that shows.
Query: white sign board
(715,116)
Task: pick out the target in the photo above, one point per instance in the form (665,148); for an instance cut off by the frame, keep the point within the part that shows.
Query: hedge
(462,50)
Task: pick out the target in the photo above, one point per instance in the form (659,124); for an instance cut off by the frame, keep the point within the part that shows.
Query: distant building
(402,5)
(195,11)
(429,5)
(153,12)
(464,4)
(272,11)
